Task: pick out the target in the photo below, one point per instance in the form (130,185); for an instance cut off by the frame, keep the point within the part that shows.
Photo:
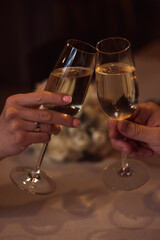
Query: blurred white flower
(91,138)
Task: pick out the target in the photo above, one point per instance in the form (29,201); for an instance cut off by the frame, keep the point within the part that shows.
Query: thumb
(138,132)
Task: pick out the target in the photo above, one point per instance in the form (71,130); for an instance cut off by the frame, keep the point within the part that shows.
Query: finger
(48,128)
(138,132)
(112,127)
(144,112)
(141,116)
(121,145)
(42,116)
(139,149)
(51,129)
(141,152)
(23,139)
(131,148)
(38,137)
(29,126)
(38,98)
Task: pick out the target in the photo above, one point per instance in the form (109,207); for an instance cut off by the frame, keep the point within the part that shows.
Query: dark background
(33,32)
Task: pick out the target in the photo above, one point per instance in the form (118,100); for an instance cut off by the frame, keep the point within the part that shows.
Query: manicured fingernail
(67,98)
(76,122)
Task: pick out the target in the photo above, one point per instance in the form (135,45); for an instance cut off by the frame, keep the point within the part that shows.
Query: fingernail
(67,98)
(76,122)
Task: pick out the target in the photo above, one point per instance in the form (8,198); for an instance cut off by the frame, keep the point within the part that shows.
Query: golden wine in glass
(71,75)
(117,90)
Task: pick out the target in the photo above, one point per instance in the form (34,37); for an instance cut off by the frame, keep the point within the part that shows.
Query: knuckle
(138,131)
(45,116)
(14,124)
(67,121)
(11,112)
(38,98)
(10,100)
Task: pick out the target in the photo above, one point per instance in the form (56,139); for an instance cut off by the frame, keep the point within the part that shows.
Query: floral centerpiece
(90,141)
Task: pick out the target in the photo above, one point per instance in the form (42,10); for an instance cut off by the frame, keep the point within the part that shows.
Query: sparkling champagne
(73,81)
(117,89)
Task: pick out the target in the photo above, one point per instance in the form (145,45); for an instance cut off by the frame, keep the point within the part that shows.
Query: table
(82,206)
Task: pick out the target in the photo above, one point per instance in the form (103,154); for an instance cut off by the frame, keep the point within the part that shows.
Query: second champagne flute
(71,75)
(117,90)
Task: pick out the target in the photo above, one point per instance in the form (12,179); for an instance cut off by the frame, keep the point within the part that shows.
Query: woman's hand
(140,135)
(20,115)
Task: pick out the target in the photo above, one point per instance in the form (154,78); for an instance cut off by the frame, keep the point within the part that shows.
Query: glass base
(32,180)
(113,177)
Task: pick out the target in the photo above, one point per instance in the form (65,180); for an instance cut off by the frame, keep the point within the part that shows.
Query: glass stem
(40,158)
(124,160)
(125,169)
(35,173)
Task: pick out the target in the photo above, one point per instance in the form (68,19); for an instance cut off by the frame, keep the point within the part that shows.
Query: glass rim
(114,52)
(71,40)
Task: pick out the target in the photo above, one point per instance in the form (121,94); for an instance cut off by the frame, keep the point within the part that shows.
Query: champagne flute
(117,90)
(71,75)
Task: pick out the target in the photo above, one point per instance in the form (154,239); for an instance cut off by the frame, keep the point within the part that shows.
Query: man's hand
(140,135)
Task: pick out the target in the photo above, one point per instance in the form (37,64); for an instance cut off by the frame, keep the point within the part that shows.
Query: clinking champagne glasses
(71,75)
(117,90)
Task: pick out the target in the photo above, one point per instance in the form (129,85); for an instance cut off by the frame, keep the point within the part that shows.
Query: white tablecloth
(82,207)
